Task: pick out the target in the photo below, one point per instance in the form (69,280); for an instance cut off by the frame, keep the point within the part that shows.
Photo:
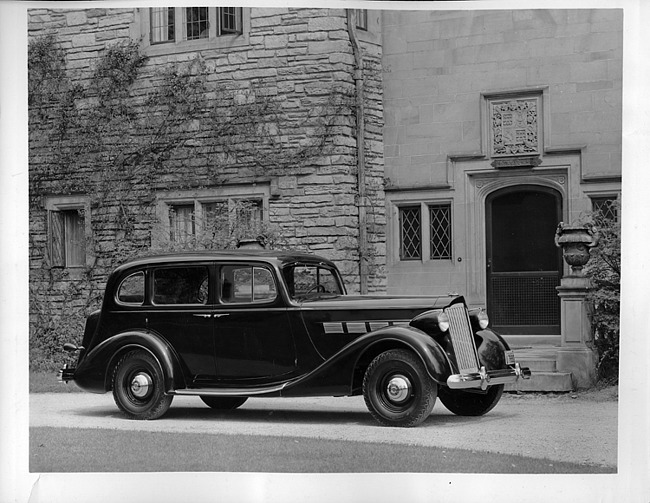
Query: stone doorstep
(543,382)
(542,360)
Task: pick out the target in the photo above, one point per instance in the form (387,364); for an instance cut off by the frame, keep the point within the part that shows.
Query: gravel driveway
(580,428)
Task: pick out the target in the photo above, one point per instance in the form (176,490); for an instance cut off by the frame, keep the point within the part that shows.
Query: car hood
(354,302)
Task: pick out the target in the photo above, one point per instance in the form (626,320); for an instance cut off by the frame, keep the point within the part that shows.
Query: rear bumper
(484,378)
(65,374)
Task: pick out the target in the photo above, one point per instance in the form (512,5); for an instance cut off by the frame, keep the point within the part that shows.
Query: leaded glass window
(410,233)
(440,231)
(606,207)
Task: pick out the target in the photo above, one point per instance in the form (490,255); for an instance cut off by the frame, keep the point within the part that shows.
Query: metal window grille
(440,231)
(525,299)
(196,23)
(410,233)
(162,25)
(230,20)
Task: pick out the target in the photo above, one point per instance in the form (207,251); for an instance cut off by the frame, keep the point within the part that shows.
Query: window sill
(204,44)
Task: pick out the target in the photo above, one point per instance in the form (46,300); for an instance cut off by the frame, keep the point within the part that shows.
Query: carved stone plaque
(514,127)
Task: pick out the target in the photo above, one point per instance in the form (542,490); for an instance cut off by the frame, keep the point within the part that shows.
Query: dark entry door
(524,266)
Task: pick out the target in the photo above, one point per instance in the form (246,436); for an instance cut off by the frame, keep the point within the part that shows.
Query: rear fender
(95,372)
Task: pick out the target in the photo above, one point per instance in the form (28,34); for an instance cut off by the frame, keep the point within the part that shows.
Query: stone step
(538,364)
(543,381)
(530,341)
(539,359)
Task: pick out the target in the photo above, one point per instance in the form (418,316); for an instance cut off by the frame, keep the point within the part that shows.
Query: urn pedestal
(576,354)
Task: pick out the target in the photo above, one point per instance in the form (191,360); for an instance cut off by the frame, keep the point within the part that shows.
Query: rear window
(131,290)
(181,285)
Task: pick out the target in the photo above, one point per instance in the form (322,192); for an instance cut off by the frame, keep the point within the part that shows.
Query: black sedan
(227,326)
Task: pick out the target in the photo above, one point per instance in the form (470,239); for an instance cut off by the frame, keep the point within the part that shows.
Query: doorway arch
(523,264)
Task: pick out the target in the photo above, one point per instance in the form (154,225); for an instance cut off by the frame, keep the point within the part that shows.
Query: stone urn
(576,242)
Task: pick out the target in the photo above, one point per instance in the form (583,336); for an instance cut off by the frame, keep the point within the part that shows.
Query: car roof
(279,257)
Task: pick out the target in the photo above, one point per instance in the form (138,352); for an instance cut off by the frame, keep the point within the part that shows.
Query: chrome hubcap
(398,389)
(141,384)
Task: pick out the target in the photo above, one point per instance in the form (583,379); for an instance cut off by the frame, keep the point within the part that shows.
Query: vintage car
(227,326)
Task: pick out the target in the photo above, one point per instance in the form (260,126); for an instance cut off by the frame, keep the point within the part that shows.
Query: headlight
(481,318)
(443,322)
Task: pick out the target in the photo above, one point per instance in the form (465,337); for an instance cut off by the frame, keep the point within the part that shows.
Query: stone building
(314,68)
(498,125)
(481,131)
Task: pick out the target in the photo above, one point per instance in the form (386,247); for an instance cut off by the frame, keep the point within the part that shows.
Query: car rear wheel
(464,403)
(138,386)
(397,389)
(223,402)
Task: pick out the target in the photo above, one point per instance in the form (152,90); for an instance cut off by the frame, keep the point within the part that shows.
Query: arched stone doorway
(523,264)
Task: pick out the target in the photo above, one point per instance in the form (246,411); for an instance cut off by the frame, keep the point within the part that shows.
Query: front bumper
(65,374)
(484,378)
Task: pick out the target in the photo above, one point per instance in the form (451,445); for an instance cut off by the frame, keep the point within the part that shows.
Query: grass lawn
(46,382)
(98,450)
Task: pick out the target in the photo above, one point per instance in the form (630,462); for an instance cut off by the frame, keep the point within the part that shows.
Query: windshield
(309,280)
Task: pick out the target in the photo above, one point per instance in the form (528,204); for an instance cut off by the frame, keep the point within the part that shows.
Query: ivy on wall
(120,131)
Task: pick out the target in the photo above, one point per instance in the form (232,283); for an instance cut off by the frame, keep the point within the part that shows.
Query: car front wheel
(223,402)
(397,389)
(138,386)
(464,403)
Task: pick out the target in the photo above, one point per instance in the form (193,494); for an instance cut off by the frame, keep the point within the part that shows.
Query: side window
(181,285)
(247,284)
(131,290)
(304,280)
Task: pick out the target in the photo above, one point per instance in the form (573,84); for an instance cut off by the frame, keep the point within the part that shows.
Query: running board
(230,391)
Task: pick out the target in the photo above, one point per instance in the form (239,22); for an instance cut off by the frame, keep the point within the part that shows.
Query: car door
(182,304)
(253,339)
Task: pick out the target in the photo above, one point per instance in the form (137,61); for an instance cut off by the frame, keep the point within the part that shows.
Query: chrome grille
(462,339)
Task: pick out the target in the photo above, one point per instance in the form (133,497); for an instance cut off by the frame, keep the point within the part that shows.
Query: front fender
(430,352)
(491,348)
(94,372)
(336,374)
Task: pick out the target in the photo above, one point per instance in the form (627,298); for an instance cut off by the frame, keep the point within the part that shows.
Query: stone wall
(297,56)
(439,63)
(443,72)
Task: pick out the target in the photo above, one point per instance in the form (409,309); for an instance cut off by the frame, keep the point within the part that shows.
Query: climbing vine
(120,131)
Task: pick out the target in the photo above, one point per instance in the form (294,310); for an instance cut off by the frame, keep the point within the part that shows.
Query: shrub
(604,269)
